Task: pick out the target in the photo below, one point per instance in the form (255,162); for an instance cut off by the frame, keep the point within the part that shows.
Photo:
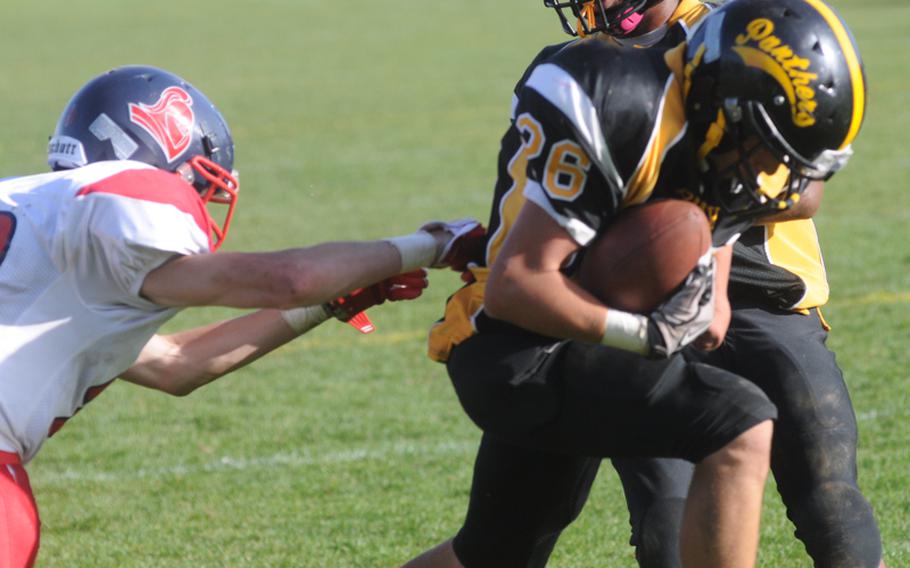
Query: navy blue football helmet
(150,115)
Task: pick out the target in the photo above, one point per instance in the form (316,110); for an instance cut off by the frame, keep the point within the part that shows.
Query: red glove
(405,286)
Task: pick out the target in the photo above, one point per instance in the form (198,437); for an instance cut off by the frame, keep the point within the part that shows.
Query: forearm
(724,257)
(551,304)
(290,278)
(181,362)
(527,288)
(713,337)
(283,279)
(334,269)
(546,302)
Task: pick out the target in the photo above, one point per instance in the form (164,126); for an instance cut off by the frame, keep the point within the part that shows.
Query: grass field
(361,120)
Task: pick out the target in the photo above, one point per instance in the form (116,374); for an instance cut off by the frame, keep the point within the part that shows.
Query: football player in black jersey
(776,339)
(597,129)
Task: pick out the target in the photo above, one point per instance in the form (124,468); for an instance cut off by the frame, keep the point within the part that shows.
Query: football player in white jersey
(97,255)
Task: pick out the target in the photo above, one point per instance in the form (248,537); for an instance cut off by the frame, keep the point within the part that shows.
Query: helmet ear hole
(208,146)
(702,96)
(188,174)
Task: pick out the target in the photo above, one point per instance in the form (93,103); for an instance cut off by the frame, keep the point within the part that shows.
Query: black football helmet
(780,75)
(150,115)
(586,17)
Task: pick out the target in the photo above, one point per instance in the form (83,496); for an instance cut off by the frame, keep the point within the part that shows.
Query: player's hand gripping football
(686,314)
(405,286)
(460,242)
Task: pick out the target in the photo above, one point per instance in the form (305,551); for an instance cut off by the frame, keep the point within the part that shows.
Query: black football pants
(813,458)
(550,410)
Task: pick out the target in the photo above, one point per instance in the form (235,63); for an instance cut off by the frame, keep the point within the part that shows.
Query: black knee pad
(837,526)
(657,537)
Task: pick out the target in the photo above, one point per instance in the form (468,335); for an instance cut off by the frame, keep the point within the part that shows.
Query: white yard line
(304,458)
(878,414)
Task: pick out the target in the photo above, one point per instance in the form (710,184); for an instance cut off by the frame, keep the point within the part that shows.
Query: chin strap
(713,136)
(630,21)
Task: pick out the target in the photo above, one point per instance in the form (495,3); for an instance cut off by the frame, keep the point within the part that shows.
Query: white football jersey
(75,247)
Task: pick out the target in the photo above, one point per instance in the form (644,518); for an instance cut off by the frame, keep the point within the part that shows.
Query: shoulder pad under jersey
(544,54)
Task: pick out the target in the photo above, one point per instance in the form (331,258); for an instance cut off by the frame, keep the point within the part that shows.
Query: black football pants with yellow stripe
(813,457)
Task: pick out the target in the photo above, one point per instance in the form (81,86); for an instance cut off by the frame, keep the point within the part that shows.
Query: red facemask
(223,188)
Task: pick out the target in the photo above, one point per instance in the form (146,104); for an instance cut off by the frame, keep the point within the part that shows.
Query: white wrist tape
(416,250)
(304,319)
(626,331)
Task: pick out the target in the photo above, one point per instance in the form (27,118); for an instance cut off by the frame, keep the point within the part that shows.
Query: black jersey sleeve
(565,151)
(542,56)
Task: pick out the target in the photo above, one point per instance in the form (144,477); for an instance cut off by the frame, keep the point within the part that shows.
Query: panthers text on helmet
(778,60)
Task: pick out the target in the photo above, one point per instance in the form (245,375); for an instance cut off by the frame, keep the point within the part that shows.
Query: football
(645,254)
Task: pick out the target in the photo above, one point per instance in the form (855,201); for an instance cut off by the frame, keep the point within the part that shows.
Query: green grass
(361,120)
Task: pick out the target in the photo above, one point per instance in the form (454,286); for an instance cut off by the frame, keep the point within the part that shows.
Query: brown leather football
(645,254)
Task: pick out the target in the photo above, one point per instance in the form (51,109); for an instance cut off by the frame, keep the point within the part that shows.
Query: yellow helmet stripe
(853,64)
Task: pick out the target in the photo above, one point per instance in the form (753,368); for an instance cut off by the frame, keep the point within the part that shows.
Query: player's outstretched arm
(181,362)
(528,289)
(283,279)
(305,276)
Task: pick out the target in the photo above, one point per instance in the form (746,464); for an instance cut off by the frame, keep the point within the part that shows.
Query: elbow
(499,295)
(179,390)
(176,385)
(164,365)
(494,304)
(177,379)
(492,309)
(300,286)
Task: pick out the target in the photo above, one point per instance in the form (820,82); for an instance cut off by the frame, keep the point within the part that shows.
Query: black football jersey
(596,128)
(602,128)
